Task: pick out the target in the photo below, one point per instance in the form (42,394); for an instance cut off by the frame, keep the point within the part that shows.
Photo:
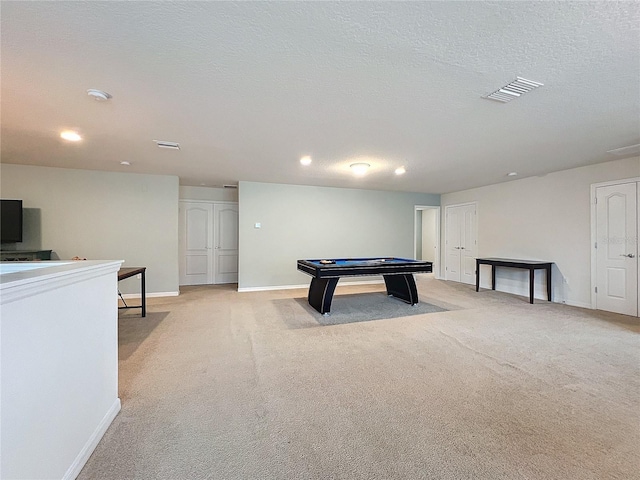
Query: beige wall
(101,216)
(542,218)
(303,222)
(209,193)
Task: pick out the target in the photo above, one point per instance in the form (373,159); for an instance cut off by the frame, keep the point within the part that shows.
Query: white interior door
(617,220)
(461,248)
(452,243)
(468,244)
(195,242)
(226,243)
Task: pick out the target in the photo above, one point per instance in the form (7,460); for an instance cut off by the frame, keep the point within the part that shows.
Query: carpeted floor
(217,384)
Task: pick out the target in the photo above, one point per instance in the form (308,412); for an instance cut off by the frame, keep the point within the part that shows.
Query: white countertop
(17,275)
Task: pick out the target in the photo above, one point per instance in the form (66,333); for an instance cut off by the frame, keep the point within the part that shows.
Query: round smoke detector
(98,95)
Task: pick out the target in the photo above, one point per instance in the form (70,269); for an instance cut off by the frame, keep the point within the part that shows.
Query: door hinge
(596,289)
(595,245)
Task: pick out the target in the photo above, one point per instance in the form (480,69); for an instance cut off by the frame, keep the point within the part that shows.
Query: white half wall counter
(59,365)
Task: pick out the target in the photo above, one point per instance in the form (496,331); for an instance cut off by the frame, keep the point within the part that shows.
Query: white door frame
(594,236)
(475,233)
(416,209)
(211,274)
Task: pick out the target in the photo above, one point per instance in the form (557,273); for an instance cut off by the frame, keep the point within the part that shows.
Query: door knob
(630,255)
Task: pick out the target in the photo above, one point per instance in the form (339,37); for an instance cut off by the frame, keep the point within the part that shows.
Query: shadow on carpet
(352,308)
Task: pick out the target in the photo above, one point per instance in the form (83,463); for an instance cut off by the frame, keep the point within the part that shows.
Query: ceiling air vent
(514,90)
(163,144)
(624,151)
(230,186)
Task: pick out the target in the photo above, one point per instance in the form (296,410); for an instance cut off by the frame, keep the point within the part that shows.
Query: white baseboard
(151,295)
(92,443)
(576,304)
(305,286)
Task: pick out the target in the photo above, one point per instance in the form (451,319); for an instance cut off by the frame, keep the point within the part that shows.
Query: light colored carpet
(217,384)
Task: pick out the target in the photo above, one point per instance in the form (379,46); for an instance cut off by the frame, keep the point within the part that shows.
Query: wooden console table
(130,272)
(531,265)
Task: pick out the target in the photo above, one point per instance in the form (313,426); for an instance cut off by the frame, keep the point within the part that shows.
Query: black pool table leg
(402,286)
(321,293)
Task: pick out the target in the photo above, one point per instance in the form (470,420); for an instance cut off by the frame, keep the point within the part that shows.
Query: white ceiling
(247,88)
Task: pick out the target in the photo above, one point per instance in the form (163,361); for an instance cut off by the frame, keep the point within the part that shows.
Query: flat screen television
(10,221)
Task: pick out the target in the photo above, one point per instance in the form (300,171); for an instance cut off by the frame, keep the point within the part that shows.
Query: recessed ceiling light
(124,162)
(98,95)
(306,160)
(359,168)
(401,170)
(512,174)
(70,136)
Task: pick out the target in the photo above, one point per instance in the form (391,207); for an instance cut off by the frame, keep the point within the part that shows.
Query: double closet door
(460,243)
(208,242)
(617,224)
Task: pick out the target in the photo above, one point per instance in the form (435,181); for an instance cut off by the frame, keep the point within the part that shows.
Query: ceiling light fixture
(124,162)
(171,145)
(401,171)
(514,90)
(70,136)
(306,160)
(512,174)
(98,95)
(359,168)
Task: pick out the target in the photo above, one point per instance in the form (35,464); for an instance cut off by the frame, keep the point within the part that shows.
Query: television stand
(24,255)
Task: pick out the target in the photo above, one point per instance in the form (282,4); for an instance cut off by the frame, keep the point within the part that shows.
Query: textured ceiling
(248,88)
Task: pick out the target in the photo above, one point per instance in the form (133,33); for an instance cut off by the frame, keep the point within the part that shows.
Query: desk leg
(143,294)
(477,276)
(531,283)
(493,277)
(548,282)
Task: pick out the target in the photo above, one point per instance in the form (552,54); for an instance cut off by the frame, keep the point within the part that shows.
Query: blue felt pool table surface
(345,262)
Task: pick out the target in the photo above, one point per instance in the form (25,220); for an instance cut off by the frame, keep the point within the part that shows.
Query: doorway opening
(426,235)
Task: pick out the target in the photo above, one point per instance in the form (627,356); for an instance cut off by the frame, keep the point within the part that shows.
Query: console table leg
(477,276)
(493,277)
(548,283)
(531,284)
(143,294)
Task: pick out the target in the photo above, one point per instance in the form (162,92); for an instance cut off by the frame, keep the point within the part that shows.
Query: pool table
(397,274)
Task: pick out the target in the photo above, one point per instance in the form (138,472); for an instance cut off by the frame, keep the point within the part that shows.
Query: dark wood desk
(24,255)
(531,265)
(130,272)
